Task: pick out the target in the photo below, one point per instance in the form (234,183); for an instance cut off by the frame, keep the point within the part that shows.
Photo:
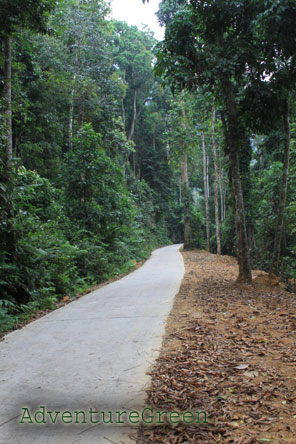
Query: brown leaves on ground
(230,351)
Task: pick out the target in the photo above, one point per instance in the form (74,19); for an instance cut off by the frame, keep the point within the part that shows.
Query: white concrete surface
(92,353)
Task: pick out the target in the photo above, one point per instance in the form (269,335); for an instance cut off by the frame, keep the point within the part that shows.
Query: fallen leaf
(252,374)
(242,366)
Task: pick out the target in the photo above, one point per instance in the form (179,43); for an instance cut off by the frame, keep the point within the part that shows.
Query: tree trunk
(221,187)
(274,266)
(71,112)
(180,192)
(245,274)
(185,183)
(136,115)
(186,199)
(81,110)
(224,204)
(7,83)
(123,113)
(221,200)
(8,239)
(221,196)
(216,200)
(185,180)
(206,189)
(208,181)
(132,130)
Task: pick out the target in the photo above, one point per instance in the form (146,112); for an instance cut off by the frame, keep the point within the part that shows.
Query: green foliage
(73,217)
(24,13)
(7,319)
(44,261)
(198,228)
(265,184)
(67,239)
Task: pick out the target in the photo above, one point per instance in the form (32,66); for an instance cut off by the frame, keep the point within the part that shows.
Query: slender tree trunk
(132,130)
(224,204)
(7,82)
(185,183)
(216,199)
(274,266)
(185,180)
(208,181)
(245,274)
(7,232)
(71,110)
(81,109)
(221,197)
(206,189)
(180,192)
(221,187)
(221,202)
(71,113)
(136,115)
(123,113)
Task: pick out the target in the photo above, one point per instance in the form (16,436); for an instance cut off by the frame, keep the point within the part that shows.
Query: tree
(209,44)
(181,139)
(206,190)
(216,181)
(81,215)
(185,178)
(133,57)
(86,35)
(271,80)
(19,14)
(278,32)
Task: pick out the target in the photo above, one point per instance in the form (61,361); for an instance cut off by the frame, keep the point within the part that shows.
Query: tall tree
(13,16)
(272,77)
(216,182)
(133,57)
(210,43)
(185,177)
(19,14)
(279,34)
(206,189)
(274,265)
(8,110)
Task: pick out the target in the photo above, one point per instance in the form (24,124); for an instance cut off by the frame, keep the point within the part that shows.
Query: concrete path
(92,353)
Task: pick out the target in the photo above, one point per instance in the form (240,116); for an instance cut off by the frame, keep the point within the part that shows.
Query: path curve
(92,353)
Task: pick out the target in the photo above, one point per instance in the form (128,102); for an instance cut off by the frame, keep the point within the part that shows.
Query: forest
(113,144)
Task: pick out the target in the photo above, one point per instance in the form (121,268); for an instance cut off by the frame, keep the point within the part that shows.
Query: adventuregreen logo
(145,416)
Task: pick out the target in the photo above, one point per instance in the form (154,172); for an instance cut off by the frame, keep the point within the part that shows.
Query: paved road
(92,353)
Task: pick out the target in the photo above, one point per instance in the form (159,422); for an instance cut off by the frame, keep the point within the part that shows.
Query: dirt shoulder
(229,350)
